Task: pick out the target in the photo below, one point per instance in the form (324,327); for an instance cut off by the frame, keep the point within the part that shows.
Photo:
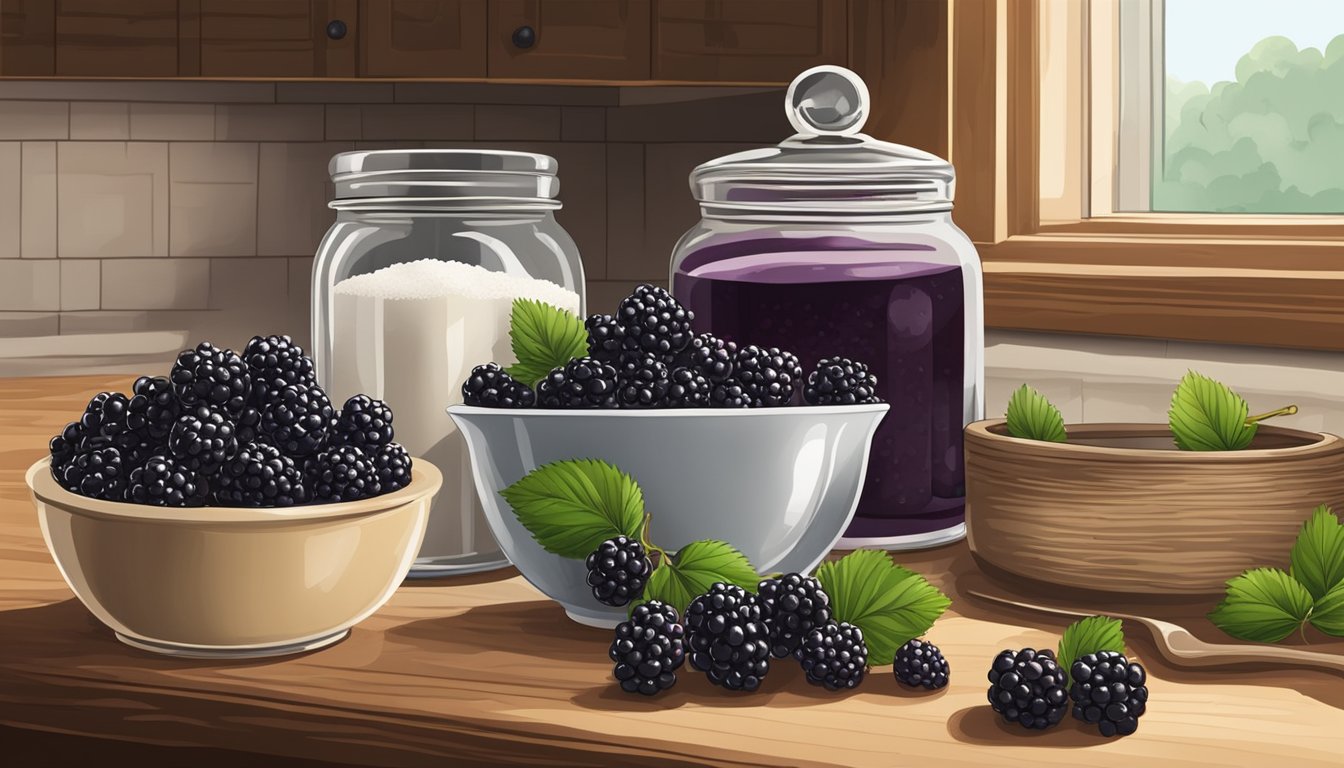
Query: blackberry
(840,381)
(490,387)
(342,473)
(729,394)
(364,422)
(687,388)
(617,570)
(605,338)
(393,467)
(96,472)
(581,383)
(834,655)
(648,649)
(163,481)
(728,637)
(153,408)
(919,663)
(768,376)
(276,362)
(793,605)
(109,415)
(1109,690)
(713,357)
(642,381)
(1027,687)
(259,476)
(298,420)
(654,322)
(203,439)
(64,447)
(208,375)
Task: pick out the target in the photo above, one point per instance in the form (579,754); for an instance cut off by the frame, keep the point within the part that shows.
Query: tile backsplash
(161,212)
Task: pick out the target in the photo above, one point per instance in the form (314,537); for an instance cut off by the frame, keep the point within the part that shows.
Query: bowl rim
(981,431)
(425,481)
(667,413)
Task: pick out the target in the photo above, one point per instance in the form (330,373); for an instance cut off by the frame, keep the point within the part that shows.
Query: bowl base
(597,619)
(905,543)
(246,652)
(456,565)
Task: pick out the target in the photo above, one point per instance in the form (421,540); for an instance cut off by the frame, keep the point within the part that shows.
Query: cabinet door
(27,38)
(116,38)
(573,39)
(767,41)
(278,38)
(422,38)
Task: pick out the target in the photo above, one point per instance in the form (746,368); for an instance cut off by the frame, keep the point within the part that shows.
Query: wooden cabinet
(116,38)
(422,38)
(570,39)
(746,40)
(27,38)
(278,38)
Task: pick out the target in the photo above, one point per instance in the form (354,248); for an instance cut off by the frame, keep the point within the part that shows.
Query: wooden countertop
(485,671)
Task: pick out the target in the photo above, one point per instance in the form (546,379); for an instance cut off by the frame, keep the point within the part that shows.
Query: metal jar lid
(444,178)
(829,167)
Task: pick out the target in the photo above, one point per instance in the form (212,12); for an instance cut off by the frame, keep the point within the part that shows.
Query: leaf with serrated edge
(1031,416)
(543,337)
(1264,606)
(572,506)
(1089,635)
(1318,553)
(1328,613)
(696,567)
(1207,416)
(890,604)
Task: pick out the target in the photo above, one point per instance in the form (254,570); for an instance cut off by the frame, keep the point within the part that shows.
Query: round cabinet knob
(827,101)
(524,37)
(336,29)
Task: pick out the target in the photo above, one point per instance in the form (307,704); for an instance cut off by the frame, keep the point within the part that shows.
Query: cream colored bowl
(230,582)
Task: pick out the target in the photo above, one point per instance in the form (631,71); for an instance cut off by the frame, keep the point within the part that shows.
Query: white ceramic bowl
(780,484)
(225,582)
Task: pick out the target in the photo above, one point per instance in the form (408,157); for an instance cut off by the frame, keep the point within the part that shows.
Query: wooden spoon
(1182,649)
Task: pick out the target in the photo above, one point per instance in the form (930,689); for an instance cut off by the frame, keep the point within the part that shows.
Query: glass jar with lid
(834,244)
(408,296)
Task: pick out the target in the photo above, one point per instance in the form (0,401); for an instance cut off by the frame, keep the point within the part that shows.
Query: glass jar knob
(827,101)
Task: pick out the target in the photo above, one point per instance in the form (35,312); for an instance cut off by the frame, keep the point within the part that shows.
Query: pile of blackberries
(647,355)
(249,430)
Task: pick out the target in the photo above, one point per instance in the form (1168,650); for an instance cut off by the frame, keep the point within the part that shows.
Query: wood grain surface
(484,671)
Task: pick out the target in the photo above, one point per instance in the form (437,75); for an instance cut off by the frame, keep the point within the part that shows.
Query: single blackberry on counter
(617,571)
(834,655)
(64,447)
(642,381)
(392,464)
(259,476)
(606,338)
(581,383)
(713,357)
(364,422)
(768,376)
(1028,687)
(153,408)
(298,420)
(728,638)
(208,375)
(276,362)
(840,381)
(489,386)
(163,481)
(687,389)
(1109,690)
(654,322)
(729,394)
(203,439)
(792,605)
(919,663)
(96,472)
(342,473)
(648,649)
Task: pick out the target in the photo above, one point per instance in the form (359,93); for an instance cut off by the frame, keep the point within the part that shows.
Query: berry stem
(649,546)
(1287,410)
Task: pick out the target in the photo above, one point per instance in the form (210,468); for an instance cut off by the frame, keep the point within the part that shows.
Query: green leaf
(1318,553)
(892,605)
(1089,635)
(543,337)
(1328,613)
(1264,605)
(1207,416)
(1033,417)
(695,569)
(570,507)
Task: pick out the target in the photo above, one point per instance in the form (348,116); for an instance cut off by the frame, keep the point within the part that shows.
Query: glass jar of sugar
(412,288)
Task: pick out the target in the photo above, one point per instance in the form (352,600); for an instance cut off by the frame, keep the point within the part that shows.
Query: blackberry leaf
(696,567)
(1032,417)
(571,507)
(1328,613)
(1318,553)
(543,337)
(892,605)
(1207,416)
(1264,606)
(1089,635)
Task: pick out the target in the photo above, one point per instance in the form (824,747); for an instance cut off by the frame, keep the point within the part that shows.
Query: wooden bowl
(1119,509)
